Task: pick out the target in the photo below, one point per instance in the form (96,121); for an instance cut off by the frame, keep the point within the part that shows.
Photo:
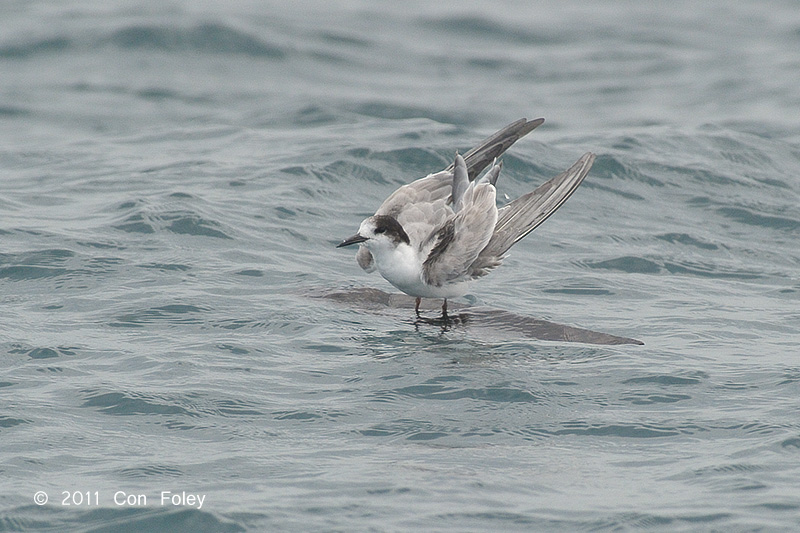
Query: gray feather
(460,182)
(493,173)
(455,246)
(518,218)
(427,201)
(496,144)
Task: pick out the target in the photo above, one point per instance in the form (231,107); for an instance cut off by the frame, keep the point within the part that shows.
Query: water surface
(175,177)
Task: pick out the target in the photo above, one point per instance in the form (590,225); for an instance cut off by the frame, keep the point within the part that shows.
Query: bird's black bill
(355,239)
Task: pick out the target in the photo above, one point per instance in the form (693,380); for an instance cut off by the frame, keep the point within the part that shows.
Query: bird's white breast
(402,267)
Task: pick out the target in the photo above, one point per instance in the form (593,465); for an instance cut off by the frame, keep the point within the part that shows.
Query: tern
(432,237)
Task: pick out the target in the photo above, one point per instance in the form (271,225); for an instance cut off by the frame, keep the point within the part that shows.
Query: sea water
(174,177)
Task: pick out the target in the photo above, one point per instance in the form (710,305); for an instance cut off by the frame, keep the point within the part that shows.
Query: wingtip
(583,165)
(530,125)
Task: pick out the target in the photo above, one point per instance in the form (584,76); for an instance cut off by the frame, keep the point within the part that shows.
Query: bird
(432,237)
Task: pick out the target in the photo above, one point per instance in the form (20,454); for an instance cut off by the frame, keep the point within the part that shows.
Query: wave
(209,37)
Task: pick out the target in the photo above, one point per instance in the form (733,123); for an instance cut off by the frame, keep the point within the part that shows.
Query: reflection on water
(475,318)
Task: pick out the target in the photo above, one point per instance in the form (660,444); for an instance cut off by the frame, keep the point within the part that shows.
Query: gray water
(174,177)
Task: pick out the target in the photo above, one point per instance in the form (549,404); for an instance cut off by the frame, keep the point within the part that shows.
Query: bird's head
(378,232)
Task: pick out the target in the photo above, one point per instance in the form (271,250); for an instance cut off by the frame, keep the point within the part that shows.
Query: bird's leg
(416,306)
(444,309)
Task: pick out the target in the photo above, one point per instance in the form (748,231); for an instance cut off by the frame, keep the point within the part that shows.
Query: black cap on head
(391,227)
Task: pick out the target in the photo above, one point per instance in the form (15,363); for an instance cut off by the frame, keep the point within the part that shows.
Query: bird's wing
(518,218)
(496,144)
(455,245)
(426,202)
(440,185)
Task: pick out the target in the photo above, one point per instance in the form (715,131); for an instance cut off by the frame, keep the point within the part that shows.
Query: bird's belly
(405,273)
(423,290)
(414,285)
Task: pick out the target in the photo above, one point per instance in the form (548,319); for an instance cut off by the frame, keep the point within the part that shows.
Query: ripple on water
(641,265)
(629,264)
(792,443)
(42,352)
(177,213)
(207,37)
(10,422)
(182,223)
(669,379)
(336,171)
(414,161)
(35,264)
(174,314)
(151,471)
(484,27)
(126,404)
(751,217)
(687,240)
(436,391)
(611,167)
(629,431)
(410,429)
(147,518)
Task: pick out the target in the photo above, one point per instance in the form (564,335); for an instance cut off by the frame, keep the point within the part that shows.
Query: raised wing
(518,218)
(496,144)
(455,245)
(439,186)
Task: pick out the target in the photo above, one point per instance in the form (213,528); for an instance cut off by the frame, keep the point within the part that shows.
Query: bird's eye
(380,230)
